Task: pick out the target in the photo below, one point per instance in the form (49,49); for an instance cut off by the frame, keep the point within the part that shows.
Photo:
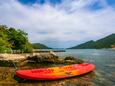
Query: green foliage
(89,44)
(13,39)
(106,42)
(39,46)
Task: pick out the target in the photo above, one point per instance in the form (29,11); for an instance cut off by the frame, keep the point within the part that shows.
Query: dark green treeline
(13,39)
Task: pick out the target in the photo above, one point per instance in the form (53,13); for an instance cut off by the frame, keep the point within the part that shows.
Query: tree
(15,39)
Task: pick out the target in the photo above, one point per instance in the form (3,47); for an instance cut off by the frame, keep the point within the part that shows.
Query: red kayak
(55,73)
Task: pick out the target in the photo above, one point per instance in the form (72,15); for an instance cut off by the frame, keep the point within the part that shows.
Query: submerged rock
(71,59)
(7,73)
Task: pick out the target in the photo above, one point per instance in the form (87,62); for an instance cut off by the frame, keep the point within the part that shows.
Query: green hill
(86,45)
(40,46)
(106,42)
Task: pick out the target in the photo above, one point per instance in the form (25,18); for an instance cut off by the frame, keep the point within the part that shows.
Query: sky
(60,23)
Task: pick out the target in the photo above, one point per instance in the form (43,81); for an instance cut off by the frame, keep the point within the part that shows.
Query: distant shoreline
(47,50)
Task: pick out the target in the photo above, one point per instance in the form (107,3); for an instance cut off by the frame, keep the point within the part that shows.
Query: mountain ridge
(40,46)
(106,42)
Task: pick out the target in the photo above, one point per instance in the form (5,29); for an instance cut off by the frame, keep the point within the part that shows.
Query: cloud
(68,23)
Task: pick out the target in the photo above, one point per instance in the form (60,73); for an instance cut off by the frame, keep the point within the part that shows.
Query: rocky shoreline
(10,63)
(23,59)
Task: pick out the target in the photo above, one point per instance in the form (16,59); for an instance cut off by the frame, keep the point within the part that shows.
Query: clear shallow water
(104,75)
(104,59)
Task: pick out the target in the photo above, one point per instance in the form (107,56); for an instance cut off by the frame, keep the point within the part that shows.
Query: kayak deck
(55,73)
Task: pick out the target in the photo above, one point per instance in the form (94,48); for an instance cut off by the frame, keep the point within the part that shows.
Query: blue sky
(40,1)
(60,23)
(111,2)
(94,6)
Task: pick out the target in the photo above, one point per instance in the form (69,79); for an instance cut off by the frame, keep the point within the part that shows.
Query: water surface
(104,59)
(104,75)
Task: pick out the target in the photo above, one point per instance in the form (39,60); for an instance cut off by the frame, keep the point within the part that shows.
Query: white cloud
(66,24)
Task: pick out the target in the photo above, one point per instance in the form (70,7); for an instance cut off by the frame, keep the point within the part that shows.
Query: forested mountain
(106,42)
(89,44)
(40,46)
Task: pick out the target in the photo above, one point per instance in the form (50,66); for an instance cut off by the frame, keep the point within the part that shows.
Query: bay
(104,59)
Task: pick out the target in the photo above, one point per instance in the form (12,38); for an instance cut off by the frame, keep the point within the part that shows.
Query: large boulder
(43,58)
(51,58)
